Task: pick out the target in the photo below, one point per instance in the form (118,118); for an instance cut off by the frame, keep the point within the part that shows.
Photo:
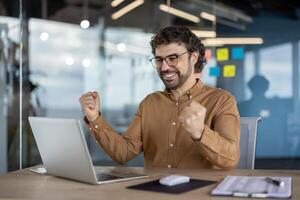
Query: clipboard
(254,186)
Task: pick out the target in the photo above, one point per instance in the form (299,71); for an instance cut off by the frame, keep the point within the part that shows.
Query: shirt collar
(189,94)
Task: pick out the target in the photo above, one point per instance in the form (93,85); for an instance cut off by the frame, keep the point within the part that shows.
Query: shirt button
(90,128)
(174,123)
(190,97)
(176,103)
(169,166)
(96,126)
(171,145)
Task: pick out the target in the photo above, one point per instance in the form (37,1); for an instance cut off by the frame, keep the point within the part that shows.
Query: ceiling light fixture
(44,36)
(208,16)
(85,24)
(222,10)
(86,63)
(179,13)
(116,3)
(127,9)
(204,34)
(69,61)
(121,47)
(232,41)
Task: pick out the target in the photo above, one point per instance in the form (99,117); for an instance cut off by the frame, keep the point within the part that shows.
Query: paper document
(255,186)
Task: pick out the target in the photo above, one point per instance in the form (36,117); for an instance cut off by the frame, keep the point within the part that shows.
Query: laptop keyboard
(106,177)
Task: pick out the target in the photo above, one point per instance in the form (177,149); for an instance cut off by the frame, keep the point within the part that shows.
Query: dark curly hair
(180,34)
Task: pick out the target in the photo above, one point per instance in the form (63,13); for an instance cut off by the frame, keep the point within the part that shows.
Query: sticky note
(222,54)
(229,71)
(237,53)
(208,54)
(214,71)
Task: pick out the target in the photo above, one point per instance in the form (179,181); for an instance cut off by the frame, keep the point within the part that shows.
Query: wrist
(91,119)
(197,136)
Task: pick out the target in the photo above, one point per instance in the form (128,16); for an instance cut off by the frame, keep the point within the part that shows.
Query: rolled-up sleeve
(220,143)
(121,148)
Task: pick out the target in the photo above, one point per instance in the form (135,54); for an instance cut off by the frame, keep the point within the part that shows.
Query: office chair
(248,142)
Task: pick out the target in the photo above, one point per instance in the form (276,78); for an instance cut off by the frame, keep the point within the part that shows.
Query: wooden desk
(27,185)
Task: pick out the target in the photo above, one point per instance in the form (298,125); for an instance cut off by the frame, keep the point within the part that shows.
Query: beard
(173,78)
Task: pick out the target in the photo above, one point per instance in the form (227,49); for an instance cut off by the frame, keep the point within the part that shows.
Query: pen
(274,181)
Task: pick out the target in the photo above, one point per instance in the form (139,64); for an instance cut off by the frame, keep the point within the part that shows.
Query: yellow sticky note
(229,71)
(222,54)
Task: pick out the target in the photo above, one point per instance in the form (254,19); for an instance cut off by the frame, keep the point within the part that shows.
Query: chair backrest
(248,142)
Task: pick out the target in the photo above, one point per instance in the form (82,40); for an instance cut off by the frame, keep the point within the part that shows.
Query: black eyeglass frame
(154,60)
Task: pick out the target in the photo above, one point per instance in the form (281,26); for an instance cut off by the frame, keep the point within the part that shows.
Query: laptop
(64,152)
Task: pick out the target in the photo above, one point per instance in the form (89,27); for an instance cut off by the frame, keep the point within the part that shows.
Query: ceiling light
(231,41)
(86,63)
(179,13)
(208,16)
(127,9)
(44,36)
(121,47)
(222,10)
(85,24)
(204,34)
(69,61)
(116,3)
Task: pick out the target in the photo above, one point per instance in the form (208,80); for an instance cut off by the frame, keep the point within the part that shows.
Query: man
(189,125)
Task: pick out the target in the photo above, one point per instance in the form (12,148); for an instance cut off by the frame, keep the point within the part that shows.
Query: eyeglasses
(171,60)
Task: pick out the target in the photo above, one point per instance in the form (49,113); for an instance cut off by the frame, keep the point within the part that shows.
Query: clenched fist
(90,104)
(192,119)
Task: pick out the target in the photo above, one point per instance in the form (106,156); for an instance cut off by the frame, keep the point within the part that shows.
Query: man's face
(174,74)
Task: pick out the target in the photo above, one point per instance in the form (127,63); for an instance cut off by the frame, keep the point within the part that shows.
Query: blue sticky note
(214,71)
(237,53)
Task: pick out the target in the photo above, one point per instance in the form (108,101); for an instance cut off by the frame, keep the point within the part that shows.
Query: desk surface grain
(28,185)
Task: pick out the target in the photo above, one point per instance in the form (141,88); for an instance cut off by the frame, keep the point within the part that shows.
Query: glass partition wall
(10,46)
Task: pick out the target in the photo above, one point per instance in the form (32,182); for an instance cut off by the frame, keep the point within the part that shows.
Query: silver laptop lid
(63,148)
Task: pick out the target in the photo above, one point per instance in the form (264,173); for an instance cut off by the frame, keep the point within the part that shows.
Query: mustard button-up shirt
(156,131)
